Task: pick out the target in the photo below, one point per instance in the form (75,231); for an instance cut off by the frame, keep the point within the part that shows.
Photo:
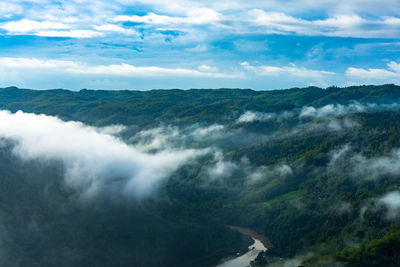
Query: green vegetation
(308,184)
(145,108)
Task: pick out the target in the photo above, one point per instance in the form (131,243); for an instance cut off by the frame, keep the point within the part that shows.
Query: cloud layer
(261,45)
(94,161)
(66,17)
(309,112)
(121,70)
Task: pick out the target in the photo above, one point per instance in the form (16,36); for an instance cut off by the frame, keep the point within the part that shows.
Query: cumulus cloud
(93,160)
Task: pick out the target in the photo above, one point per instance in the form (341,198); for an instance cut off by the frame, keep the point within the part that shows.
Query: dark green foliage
(382,251)
(45,224)
(180,106)
(328,209)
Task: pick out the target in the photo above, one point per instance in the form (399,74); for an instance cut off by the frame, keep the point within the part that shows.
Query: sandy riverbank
(253,234)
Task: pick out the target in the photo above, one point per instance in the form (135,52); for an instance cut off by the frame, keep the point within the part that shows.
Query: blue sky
(147,44)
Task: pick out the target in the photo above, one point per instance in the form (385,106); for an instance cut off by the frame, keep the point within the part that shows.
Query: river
(245,259)
(261,243)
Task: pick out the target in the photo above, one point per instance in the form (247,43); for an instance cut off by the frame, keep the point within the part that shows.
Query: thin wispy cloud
(341,25)
(291,70)
(195,16)
(122,69)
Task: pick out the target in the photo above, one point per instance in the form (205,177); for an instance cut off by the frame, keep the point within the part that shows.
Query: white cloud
(392,73)
(122,70)
(26,26)
(342,25)
(332,110)
(34,63)
(116,28)
(70,34)
(331,124)
(392,202)
(193,17)
(343,18)
(94,161)
(327,111)
(156,139)
(54,29)
(269,172)
(222,168)
(375,167)
(338,155)
(10,9)
(169,137)
(335,110)
(209,132)
(128,70)
(207,68)
(371,7)
(277,21)
(114,129)
(250,116)
(341,22)
(293,70)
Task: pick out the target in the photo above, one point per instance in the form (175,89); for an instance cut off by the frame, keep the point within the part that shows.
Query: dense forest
(154,178)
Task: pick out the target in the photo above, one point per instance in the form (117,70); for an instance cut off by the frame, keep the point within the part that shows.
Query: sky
(154,44)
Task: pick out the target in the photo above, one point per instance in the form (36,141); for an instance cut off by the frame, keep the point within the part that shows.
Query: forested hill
(101,108)
(154,178)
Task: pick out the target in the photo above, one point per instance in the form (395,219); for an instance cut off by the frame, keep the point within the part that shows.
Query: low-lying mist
(94,160)
(134,162)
